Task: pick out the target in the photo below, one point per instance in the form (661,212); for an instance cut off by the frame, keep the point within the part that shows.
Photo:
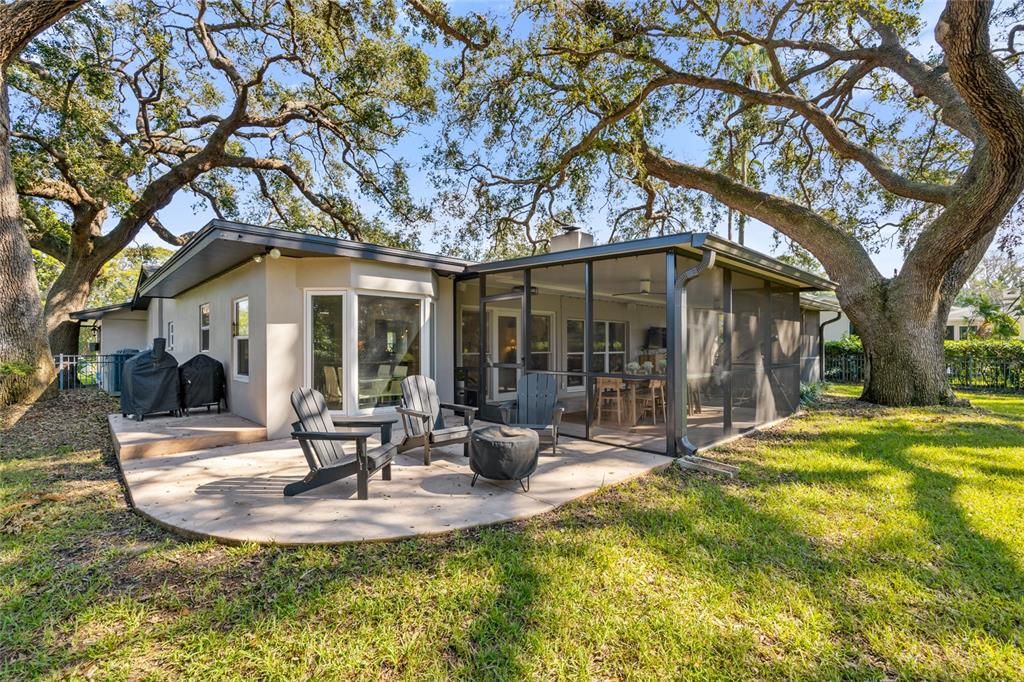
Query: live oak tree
(285,113)
(855,141)
(25,365)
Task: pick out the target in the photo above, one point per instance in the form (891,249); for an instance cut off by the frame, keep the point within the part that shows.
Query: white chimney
(572,239)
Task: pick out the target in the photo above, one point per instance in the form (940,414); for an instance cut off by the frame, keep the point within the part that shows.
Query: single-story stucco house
(667,344)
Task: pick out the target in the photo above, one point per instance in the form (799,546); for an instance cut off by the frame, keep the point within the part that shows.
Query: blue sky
(181,216)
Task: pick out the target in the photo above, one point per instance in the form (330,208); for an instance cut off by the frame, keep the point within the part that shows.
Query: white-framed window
(170,336)
(609,352)
(204,328)
(240,338)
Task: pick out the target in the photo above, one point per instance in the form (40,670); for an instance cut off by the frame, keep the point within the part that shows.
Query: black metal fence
(84,371)
(966,372)
(844,368)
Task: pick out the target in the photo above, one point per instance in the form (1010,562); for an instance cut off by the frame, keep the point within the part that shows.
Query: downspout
(680,389)
(821,344)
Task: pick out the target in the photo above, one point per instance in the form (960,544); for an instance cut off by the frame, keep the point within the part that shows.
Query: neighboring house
(282,309)
(958,325)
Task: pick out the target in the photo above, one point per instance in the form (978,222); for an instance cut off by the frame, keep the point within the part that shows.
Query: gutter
(677,371)
(821,344)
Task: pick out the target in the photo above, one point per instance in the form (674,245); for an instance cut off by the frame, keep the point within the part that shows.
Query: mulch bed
(74,420)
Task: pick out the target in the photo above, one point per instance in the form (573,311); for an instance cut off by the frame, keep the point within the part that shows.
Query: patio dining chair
(651,399)
(610,397)
(536,407)
(322,445)
(423,421)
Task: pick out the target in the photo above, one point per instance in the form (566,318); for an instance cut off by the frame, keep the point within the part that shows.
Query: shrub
(810,394)
(848,345)
(991,349)
(988,349)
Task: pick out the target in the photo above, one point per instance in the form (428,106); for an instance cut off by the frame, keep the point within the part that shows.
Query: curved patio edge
(233,495)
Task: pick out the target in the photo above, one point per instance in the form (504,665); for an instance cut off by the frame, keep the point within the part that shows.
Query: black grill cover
(202,382)
(149,382)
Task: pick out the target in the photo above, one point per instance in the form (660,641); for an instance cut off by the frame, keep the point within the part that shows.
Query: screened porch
(607,321)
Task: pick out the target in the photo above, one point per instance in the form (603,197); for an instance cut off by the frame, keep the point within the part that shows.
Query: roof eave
(730,253)
(98,313)
(302,243)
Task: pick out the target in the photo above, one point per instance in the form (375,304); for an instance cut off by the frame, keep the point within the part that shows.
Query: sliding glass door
(326,346)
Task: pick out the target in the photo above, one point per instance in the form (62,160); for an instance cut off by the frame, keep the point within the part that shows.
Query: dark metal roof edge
(272,237)
(181,255)
(333,246)
(764,262)
(636,246)
(97,313)
(694,241)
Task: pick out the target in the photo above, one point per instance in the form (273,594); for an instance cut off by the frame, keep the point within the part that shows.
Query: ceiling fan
(645,290)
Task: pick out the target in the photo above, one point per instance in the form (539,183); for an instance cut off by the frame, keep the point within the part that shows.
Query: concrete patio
(234,493)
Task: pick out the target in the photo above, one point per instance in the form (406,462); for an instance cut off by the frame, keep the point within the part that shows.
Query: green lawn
(857,543)
(1001,403)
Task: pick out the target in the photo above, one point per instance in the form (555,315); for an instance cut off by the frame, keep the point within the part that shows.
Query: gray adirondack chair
(322,445)
(536,407)
(423,422)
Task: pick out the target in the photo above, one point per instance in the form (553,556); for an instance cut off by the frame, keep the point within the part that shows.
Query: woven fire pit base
(504,453)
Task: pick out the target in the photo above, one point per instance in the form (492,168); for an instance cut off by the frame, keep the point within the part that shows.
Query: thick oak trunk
(902,327)
(69,292)
(26,369)
(905,367)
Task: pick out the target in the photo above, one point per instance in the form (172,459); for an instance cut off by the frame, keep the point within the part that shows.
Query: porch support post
(674,430)
(483,358)
(524,351)
(727,331)
(588,339)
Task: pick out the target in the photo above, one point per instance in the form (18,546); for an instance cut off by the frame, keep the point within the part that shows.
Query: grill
(149,383)
(203,383)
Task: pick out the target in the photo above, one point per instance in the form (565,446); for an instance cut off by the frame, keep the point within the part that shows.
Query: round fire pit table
(504,453)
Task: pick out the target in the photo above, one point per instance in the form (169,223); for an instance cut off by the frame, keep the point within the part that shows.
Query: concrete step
(158,436)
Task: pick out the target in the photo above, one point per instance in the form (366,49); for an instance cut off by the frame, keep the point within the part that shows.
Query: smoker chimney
(574,238)
(159,348)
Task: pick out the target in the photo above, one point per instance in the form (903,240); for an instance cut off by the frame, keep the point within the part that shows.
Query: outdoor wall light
(274,253)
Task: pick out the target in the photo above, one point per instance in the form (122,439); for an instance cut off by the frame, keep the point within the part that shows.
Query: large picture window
(204,328)
(240,337)
(390,347)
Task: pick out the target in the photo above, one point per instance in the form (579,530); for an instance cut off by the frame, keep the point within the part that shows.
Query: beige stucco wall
(246,398)
(277,339)
(288,280)
(123,329)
